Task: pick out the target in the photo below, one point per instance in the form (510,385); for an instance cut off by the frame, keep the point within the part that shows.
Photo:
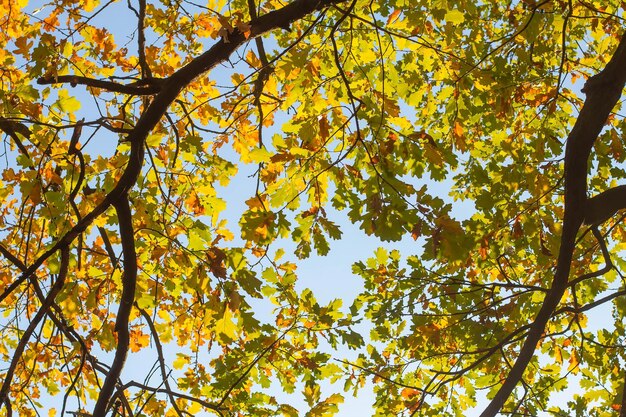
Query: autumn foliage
(168,166)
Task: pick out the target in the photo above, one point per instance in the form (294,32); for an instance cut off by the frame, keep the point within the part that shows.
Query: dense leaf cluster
(169,165)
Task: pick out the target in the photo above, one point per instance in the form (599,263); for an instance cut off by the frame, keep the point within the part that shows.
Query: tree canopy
(127,126)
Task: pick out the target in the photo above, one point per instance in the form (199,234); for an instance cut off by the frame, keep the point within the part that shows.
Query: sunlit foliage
(167,165)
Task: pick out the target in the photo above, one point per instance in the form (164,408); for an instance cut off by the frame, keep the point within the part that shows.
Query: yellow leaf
(259,155)
(68,49)
(153,139)
(194,408)
(67,103)
(180,361)
(226,326)
(455,16)
(89,5)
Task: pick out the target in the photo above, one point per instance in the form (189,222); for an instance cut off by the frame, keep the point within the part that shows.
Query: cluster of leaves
(129,133)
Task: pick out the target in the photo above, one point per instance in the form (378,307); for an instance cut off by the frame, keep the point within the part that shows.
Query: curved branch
(12,128)
(171,88)
(203,403)
(129,281)
(603,91)
(608,264)
(591,305)
(251,365)
(159,349)
(43,310)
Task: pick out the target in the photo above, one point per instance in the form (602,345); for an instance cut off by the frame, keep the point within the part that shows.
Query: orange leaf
(393,16)
(194,204)
(138,340)
(50,22)
(23,46)
(517,228)
(459,136)
(243,27)
(35,194)
(324,127)
(409,392)
(416,232)
(215,258)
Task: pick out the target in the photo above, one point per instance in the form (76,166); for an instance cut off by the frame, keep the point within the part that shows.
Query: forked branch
(603,91)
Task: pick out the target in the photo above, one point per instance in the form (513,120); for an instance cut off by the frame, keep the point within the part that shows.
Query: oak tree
(131,129)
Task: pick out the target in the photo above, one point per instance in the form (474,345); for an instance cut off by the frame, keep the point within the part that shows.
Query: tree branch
(43,310)
(129,281)
(603,91)
(175,394)
(171,88)
(603,206)
(149,86)
(159,349)
(12,128)
(146,73)
(622,410)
